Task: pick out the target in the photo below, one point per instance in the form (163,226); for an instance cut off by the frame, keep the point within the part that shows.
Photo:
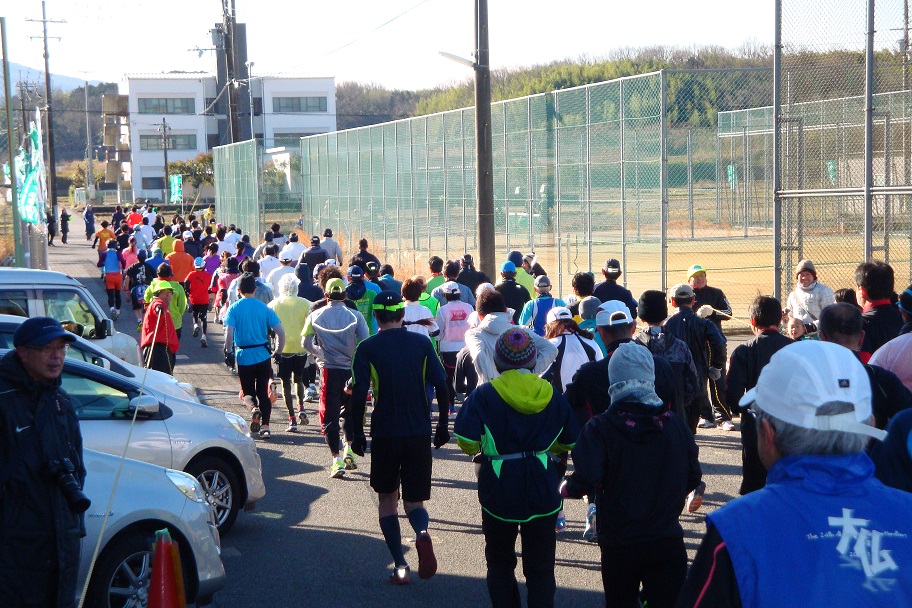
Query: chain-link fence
(844,136)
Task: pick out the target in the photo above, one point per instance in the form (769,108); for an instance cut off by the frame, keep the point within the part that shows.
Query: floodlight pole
(484,163)
(10,147)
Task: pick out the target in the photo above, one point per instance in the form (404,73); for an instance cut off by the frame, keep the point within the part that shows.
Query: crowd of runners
(593,395)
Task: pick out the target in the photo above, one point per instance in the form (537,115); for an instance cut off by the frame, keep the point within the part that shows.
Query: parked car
(86,350)
(146,498)
(34,293)
(212,445)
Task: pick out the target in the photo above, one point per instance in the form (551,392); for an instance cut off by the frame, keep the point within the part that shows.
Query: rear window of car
(14,302)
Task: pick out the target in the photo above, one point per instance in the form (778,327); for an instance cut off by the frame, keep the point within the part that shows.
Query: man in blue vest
(824,531)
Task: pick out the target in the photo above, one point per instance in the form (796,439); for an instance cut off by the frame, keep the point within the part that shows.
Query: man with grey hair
(292,361)
(847,536)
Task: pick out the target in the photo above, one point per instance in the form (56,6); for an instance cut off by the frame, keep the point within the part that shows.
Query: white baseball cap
(613,312)
(450,287)
(558,312)
(806,375)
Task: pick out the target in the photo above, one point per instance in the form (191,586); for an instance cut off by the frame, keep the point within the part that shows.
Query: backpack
(553,373)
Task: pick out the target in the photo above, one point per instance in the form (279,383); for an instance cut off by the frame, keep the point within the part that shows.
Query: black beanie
(652,307)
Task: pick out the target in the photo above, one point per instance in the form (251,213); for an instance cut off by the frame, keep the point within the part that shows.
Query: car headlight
(187,484)
(239,423)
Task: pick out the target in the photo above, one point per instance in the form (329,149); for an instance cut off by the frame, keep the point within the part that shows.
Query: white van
(45,293)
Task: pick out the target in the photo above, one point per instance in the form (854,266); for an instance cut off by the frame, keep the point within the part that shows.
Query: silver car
(146,498)
(212,445)
(86,350)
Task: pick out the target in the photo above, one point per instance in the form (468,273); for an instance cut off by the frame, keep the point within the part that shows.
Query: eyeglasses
(50,348)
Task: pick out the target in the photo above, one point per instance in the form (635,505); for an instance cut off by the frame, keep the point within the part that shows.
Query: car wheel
(223,490)
(122,573)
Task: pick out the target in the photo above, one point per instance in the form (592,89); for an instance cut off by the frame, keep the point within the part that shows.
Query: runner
(400,427)
(197,288)
(247,326)
(292,312)
(535,312)
(453,321)
(331,334)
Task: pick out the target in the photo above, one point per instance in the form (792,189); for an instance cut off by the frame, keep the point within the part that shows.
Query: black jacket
(588,394)
(313,256)
(466,379)
(472,278)
(515,296)
(642,462)
(665,346)
(747,361)
(361,260)
(892,460)
(610,290)
(715,298)
(882,323)
(889,396)
(702,337)
(306,287)
(39,534)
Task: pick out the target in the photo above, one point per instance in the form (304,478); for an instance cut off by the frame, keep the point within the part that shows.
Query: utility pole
(90,179)
(52,168)
(484,163)
(250,94)
(164,131)
(228,14)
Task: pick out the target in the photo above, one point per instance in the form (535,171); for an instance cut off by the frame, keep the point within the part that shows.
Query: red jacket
(198,287)
(166,333)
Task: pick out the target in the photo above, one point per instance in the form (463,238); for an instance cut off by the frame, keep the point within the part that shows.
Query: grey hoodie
(332,333)
(480,342)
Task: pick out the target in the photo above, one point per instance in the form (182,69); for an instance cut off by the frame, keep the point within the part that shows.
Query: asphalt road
(315,541)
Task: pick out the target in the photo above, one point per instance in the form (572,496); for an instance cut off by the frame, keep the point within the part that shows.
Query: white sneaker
(706,424)
(727,425)
(590,534)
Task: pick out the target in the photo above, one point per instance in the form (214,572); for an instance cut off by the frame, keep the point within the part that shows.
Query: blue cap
(38,331)
(199,263)
(508,267)
(356,272)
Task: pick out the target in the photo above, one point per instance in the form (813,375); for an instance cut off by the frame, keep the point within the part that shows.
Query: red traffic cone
(163,586)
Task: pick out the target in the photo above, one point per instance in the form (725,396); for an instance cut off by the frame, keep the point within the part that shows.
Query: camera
(61,471)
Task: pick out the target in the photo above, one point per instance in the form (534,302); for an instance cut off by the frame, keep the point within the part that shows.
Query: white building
(194,115)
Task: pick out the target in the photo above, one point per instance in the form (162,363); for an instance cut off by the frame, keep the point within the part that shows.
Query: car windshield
(70,309)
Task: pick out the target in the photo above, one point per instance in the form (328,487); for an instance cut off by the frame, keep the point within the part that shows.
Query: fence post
(663,179)
(621,110)
(690,180)
(869,135)
(589,174)
(745,198)
(531,180)
(506,182)
(557,191)
(777,152)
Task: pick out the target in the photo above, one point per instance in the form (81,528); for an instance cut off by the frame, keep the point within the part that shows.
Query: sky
(393,43)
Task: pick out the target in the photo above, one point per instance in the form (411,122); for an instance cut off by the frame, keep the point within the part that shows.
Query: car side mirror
(108,328)
(146,405)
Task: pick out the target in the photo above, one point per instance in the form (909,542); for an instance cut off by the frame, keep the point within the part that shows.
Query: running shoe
(350,461)
(255,420)
(452,415)
(337,469)
(310,394)
(561,524)
(706,424)
(116,313)
(264,432)
(427,561)
(196,330)
(203,343)
(400,575)
(302,418)
(590,533)
(292,426)
(695,498)
(727,425)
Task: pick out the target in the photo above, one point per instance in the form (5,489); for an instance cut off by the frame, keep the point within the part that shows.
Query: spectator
(64,225)
(822,506)
(846,294)
(88,216)
(711,303)
(882,321)
(610,290)
(42,526)
(809,297)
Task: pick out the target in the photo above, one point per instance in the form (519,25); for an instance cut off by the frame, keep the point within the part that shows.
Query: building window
(289,140)
(175,142)
(257,106)
(167,105)
(153,183)
(298,105)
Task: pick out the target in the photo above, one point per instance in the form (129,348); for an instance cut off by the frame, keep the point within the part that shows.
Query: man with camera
(41,471)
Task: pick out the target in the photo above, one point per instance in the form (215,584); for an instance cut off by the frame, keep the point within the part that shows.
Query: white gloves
(715,373)
(705,311)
